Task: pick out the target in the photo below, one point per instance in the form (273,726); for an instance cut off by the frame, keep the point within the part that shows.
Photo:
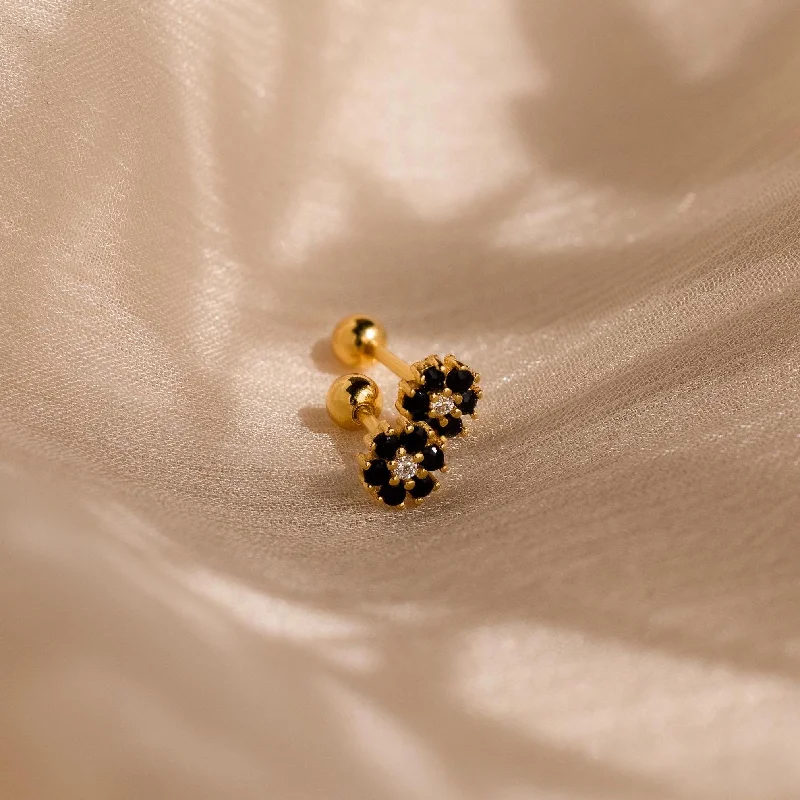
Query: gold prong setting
(398,468)
(447,390)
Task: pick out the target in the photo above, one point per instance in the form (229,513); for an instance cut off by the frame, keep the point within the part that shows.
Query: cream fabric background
(595,204)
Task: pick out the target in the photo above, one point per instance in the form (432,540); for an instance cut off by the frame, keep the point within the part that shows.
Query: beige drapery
(595,204)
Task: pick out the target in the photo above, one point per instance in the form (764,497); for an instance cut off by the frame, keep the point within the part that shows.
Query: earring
(436,391)
(397,469)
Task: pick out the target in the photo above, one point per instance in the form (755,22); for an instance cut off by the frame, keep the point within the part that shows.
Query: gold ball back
(350,394)
(354,337)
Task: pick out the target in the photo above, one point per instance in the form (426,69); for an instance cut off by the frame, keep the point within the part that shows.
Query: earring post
(368,420)
(393,362)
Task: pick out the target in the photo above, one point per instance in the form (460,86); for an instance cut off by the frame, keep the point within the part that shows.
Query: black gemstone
(386,446)
(434,458)
(417,405)
(416,440)
(469,401)
(422,487)
(392,495)
(459,380)
(453,428)
(377,473)
(433,378)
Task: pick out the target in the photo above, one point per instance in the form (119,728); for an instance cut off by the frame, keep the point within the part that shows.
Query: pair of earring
(433,397)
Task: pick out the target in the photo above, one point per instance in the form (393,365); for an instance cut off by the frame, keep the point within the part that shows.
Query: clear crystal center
(442,406)
(405,468)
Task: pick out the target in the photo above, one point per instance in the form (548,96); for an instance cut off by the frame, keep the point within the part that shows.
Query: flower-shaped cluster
(400,462)
(444,392)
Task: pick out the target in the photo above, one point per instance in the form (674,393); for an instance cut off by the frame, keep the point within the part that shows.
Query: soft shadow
(618,113)
(315,419)
(324,359)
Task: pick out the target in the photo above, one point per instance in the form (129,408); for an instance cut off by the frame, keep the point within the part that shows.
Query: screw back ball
(354,337)
(350,396)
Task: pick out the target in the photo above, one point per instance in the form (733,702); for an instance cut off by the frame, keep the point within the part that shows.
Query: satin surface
(594,204)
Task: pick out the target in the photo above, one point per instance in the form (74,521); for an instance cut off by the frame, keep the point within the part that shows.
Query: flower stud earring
(436,391)
(401,459)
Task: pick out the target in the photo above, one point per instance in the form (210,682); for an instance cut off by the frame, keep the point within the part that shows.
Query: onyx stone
(386,446)
(422,487)
(392,495)
(417,405)
(469,401)
(377,473)
(453,428)
(433,458)
(433,378)
(416,440)
(459,380)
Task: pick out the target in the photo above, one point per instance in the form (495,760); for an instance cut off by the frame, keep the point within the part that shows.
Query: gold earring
(401,459)
(436,391)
